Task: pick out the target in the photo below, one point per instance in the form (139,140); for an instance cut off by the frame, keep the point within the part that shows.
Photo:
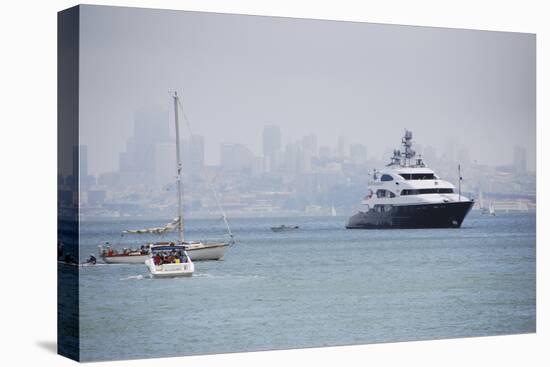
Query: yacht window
(426,191)
(386,178)
(418,176)
(384,194)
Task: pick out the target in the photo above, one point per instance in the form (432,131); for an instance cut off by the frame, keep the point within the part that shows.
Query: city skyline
(273,150)
(366,82)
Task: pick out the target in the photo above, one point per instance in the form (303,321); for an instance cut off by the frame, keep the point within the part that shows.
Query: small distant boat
(332,211)
(169,261)
(284,228)
(492,209)
(489,211)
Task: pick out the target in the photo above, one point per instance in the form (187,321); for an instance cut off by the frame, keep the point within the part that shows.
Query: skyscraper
(195,154)
(272,147)
(342,147)
(309,144)
(138,164)
(236,157)
(165,164)
(150,129)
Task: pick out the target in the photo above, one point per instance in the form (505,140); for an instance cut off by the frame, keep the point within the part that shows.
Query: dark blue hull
(444,215)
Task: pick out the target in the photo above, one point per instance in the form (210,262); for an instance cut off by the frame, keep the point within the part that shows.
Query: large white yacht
(408,194)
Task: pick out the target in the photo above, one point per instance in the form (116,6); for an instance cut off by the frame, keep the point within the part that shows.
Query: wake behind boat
(407,194)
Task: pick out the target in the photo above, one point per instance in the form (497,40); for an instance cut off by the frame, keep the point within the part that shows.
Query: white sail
(169,227)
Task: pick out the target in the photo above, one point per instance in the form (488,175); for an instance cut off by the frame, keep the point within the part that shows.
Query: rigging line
(208,180)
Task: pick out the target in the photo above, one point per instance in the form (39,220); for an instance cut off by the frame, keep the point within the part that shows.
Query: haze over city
(364,82)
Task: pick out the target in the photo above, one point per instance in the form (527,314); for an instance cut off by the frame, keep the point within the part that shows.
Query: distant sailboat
(491,209)
(332,211)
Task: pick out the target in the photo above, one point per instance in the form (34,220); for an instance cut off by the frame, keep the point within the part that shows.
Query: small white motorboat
(166,261)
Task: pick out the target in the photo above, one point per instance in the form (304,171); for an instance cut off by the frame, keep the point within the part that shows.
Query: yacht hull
(441,215)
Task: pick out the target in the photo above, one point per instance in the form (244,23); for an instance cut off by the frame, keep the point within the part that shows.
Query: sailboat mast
(179,170)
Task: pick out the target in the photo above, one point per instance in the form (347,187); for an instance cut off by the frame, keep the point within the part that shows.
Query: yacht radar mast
(403,157)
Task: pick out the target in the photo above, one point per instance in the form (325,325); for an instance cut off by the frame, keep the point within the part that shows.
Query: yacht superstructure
(408,194)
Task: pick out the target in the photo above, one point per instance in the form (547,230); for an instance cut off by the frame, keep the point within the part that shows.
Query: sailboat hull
(125,259)
(196,251)
(207,251)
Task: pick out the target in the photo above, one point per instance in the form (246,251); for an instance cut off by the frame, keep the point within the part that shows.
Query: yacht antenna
(459,181)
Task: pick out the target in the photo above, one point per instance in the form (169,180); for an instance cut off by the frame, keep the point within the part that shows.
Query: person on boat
(91,260)
(156,259)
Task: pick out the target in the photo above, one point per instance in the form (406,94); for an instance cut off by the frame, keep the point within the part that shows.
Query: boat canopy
(169,227)
(167,248)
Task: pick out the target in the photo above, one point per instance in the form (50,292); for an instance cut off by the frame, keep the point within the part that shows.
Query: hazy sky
(364,81)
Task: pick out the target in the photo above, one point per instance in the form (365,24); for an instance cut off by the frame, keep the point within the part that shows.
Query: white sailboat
(172,260)
(195,250)
(491,209)
(332,211)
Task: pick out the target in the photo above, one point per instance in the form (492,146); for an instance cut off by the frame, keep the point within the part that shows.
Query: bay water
(321,285)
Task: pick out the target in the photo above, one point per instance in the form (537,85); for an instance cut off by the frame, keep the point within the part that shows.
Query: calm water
(319,286)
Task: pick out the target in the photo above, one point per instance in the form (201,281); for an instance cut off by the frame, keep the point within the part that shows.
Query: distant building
(325,152)
(139,161)
(165,164)
(292,157)
(520,159)
(195,154)
(358,154)
(309,145)
(272,147)
(342,147)
(236,157)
